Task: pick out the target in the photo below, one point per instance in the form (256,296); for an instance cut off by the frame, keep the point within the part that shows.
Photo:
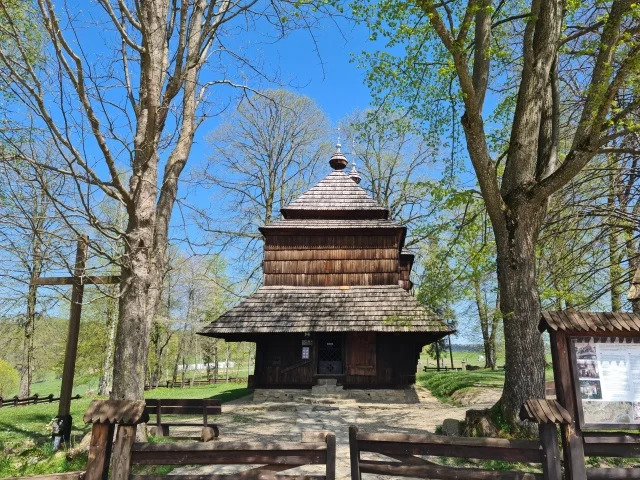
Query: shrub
(9,378)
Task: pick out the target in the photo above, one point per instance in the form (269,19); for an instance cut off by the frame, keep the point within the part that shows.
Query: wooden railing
(115,459)
(33,400)
(404,452)
(611,444)
(196,383)
(269,458)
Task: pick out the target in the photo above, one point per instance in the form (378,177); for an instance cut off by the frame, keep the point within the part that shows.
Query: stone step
(324,389)
(324,382)
(327,400)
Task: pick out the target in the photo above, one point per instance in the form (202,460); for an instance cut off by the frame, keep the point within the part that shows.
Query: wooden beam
(88,280)
(64,419)
(572,443)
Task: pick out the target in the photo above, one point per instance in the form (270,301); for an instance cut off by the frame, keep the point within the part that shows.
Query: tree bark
(483,314)
(520,306)
(107,368)
(26,370)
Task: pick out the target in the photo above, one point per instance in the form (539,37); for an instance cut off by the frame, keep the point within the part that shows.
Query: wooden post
(62,426)
(572,443)
(331,457)
(105,415)
(354,452)
(64,418)
(121,463)
(550,451)
(99,451)
(159,427)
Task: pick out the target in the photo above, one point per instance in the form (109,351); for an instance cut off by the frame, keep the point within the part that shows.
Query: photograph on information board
(609,381)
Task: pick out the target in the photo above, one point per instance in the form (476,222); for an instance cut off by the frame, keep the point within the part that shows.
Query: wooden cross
(62,429)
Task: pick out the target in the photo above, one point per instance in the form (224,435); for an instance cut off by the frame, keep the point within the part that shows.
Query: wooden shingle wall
(331,260)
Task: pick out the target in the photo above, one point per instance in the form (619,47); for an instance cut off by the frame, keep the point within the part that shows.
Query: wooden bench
(204,407)
(404,452)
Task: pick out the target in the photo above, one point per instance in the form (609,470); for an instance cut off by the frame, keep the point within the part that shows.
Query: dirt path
(243,420)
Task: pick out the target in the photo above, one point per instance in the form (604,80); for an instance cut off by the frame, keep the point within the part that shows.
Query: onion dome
(354,175)
(338,160)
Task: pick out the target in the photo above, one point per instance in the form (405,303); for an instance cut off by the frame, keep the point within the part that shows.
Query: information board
(608,376)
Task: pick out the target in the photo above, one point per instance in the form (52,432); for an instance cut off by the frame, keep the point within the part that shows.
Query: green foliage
(444,384)
(9,378)
(18,21)
(25,435)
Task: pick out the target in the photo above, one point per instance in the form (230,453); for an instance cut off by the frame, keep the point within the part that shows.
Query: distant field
(83,385)
(469,358)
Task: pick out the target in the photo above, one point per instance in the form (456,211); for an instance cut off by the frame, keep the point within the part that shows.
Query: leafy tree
(525,67)
(265,154)
(135,107)
(9,378)
(393,160)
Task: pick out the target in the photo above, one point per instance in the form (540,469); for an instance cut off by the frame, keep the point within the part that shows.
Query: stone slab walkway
(243,420)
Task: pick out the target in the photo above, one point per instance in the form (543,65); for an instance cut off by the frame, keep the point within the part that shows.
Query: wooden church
(335,301)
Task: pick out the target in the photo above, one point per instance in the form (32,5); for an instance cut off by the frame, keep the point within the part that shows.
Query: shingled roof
(336,194)
(571,320)
(383,308)
(330,224)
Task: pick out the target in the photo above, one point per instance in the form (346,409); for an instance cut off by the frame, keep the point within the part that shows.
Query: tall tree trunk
(520,307)
(484,321)
(633,257)
(495,323)
(615,252)
(146,235)
(215,363)
(107,368)
(26,371)
(615,271)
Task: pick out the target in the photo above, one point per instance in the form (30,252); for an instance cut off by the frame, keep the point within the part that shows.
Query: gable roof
(336,195)
(571,320)
(380,308)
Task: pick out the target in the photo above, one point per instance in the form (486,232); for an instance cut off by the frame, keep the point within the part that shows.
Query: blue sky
(319,66)
(321,70)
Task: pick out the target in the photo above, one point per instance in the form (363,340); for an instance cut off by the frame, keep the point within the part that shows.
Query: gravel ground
(243,420)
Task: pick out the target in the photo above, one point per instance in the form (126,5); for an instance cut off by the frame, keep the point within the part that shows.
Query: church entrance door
(330,354)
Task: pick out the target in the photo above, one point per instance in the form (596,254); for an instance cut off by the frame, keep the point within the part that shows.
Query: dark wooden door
(361,353)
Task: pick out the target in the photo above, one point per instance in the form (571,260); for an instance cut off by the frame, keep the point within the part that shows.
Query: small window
(305,353)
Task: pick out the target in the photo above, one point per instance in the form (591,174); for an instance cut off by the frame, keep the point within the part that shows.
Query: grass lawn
(444,384)
(25,436)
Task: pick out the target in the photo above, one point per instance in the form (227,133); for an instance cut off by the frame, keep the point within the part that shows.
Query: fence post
(354,452)
(331,457)
(121,466)
(105,415)
(99,451)
(15,401)
(35,399)
(550,451)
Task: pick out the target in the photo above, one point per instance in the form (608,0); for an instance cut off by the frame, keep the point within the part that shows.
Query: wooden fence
(116,459)
(196,383)
(33,400)
(404,451)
